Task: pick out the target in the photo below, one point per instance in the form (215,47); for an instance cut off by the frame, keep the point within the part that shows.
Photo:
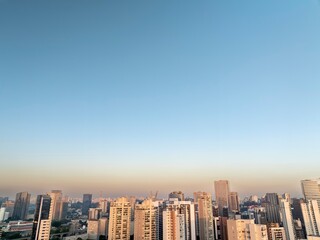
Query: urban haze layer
(272,216)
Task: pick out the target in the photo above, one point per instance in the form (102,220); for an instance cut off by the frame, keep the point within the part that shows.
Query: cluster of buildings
(273,216)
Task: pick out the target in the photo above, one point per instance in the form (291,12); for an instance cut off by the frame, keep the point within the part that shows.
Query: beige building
(173,225)
(93,229)
(97,228)
(245,229)
(222,190)
(56,201)
(205,215)
(277,233)
(119,222)
(145,221)
(234,202)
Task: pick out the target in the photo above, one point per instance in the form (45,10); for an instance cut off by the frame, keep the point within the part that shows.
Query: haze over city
(128,97)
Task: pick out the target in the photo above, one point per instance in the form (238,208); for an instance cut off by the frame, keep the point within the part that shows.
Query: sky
(127,97)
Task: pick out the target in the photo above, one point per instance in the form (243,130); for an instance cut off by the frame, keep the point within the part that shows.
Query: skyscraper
(42,218)
(205,216)
(179,217)
(234,202)
(310,189)
(21,206)
(145,221)
(86,203)
(287,219)
(56,202)
(272,208)
(311,217)
(120,219)
(222,191)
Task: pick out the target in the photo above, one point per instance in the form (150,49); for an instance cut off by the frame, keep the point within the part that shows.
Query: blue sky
(132,96)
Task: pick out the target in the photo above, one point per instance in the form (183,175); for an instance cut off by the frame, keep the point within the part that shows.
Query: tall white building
(205,215)
(311,217)
(310,189)
(246,229)
(145,221)
(287,219)
(120,217)
(179,218)
(173,225)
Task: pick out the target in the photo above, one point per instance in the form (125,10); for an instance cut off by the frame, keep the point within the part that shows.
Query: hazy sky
(126,97)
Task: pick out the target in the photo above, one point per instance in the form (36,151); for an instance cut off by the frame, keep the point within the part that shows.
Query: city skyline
(158,96)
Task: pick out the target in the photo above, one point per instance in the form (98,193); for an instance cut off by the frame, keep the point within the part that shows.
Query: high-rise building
(97,228)
(9,207)
(42,218)
(145,221)
(177,194)
(120,219)
(93,229)
(311,217)
(21,206)
(56,202)
(296,208)
(179,218)
(234,202)
(272,208)
(103,204)
(222,191)
(287,219)
(205,215)
(94,213)
(86,203)
(277,233)
(243,229)
(173,225)
(310,189)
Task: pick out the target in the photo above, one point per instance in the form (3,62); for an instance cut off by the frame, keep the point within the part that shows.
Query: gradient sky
(126,97)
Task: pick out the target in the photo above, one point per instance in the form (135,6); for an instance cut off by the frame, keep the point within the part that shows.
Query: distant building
(177,194)
(103,204)
(94,213)
(56,202)
(42,218)
(86,203)
(272,208)
(120,219)
(234,202)
(21,206)
(222,191)
(9,207)
(243,229)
